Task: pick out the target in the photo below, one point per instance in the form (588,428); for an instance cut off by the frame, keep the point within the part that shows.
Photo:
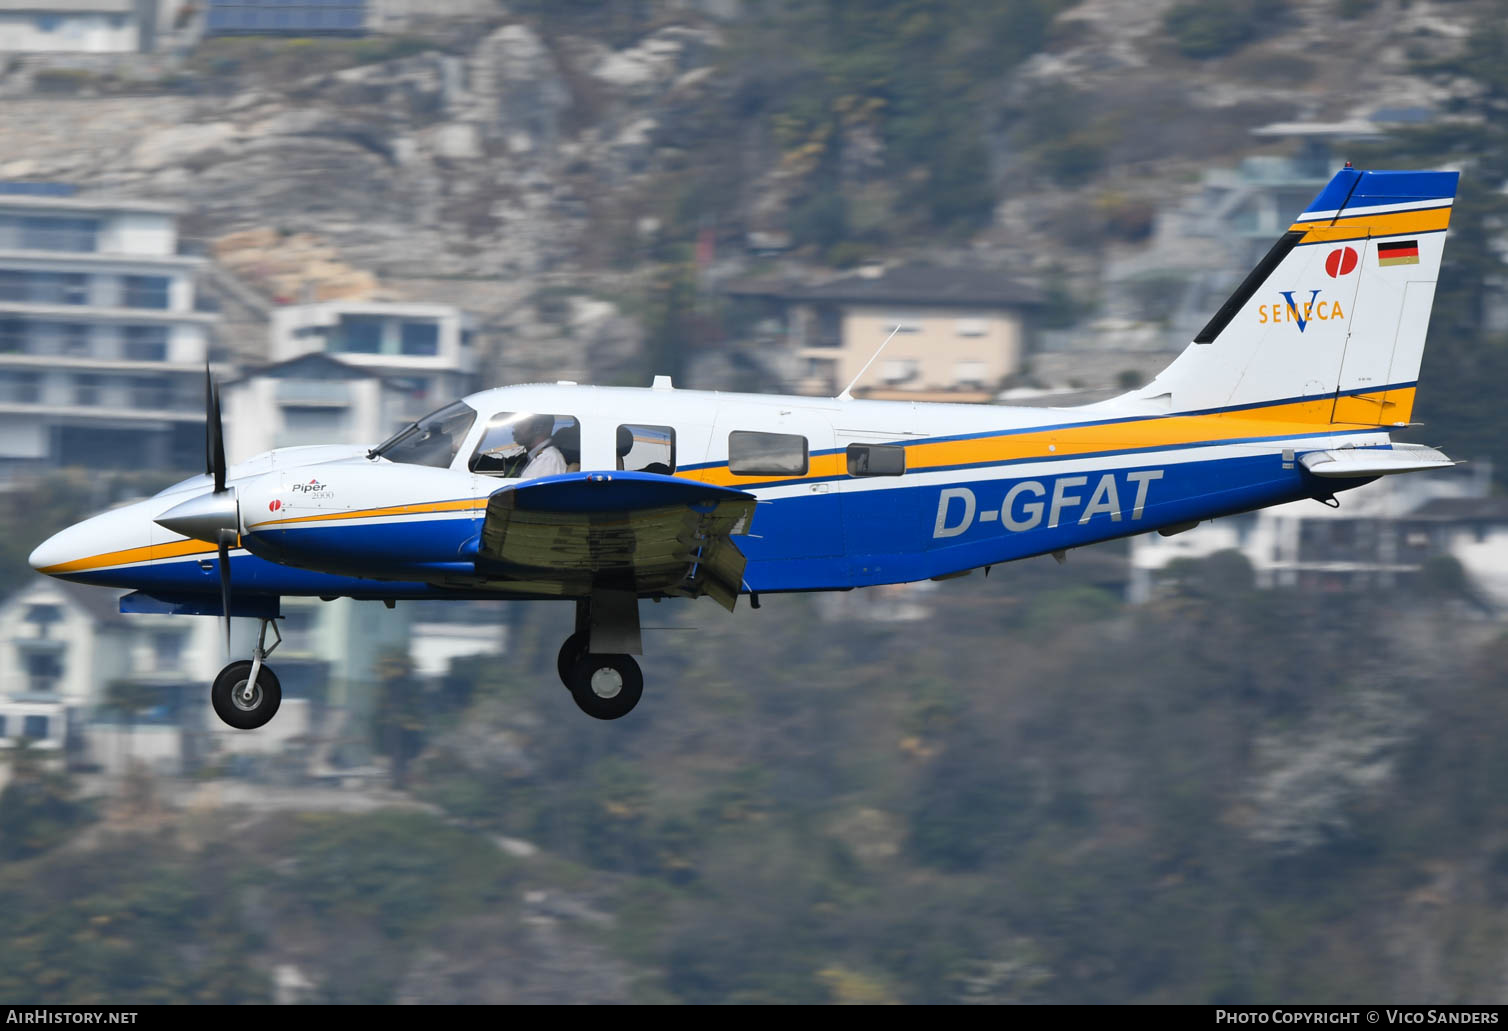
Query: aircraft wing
(624,530)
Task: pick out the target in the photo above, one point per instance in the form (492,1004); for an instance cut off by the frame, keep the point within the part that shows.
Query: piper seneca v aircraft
(607,496)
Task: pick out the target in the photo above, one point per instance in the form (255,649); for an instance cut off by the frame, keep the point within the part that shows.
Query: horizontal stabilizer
(650,533)
(1347,463)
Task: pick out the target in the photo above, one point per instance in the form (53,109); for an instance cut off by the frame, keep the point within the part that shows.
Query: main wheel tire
(606,687)
(573,649)
(239,712)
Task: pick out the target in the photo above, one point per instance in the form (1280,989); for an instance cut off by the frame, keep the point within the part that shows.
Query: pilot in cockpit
(535,435)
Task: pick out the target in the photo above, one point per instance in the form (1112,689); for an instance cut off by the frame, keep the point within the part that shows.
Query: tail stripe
(1253,281)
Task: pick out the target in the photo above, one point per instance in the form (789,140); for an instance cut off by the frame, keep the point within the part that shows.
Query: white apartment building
(68,657)
(426,350)
(72,26)
(102,347)
(313,399)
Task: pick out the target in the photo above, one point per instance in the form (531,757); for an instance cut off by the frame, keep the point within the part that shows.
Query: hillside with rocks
(544,165)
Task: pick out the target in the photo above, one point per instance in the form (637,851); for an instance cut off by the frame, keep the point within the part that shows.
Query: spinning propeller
(213,517)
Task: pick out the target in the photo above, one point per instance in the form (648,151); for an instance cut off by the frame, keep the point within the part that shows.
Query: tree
(38,808)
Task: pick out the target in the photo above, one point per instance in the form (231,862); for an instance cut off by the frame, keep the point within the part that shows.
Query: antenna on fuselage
(847,394)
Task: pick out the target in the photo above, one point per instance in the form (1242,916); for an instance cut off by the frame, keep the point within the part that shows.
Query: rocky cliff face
(501,159)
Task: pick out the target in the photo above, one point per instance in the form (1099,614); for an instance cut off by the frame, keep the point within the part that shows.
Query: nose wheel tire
(244,705)
(606,687)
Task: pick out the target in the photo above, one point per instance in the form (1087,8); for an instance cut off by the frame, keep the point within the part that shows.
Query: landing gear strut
(605,683)
(247,694)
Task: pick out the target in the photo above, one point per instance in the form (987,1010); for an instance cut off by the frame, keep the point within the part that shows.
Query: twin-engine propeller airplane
(607,496)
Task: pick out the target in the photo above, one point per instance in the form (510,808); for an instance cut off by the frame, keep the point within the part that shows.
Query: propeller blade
(209,404)
(216,439)
(226,538)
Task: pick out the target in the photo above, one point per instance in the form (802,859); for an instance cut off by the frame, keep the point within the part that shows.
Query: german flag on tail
(1398,252)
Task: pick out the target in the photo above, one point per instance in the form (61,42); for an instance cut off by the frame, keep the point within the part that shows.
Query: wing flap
(635,530)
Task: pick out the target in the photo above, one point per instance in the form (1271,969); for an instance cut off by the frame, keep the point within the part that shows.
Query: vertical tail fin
(1336,312)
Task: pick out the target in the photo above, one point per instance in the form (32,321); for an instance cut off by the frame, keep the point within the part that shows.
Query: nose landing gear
(246,694)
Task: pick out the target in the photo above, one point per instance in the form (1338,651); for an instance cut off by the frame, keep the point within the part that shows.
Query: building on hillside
(286,18)
(959,333)
(1383,535)
(314,399)
(76,26)
(429,350)
(102,343)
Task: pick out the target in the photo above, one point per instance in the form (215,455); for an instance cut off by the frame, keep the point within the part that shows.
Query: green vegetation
(1036,794)
(1202,29)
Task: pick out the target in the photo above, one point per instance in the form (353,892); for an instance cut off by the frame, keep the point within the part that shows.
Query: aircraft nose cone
(58,551)
(46,554)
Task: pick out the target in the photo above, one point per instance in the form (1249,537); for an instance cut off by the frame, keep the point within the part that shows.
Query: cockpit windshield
(433,440)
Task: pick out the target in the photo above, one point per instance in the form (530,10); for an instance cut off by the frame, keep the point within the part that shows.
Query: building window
(21,387)
(86,389)
(46,233)
(876,460)
(167,651)
(3,735)
(972,327)
(151,392)
(505,449)
(359,334)
(146,292)
(75,339)
(43,671)
(766,454)
(829,328)
(646,449)
(969,372)
(12,336)
(34,727)
(421,338)
(44,287)
(902,324)
(146,343)
(899,370)
(824,371)
(43,617)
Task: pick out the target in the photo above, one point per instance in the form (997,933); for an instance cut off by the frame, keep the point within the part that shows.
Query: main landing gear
(596,663)
(247,694)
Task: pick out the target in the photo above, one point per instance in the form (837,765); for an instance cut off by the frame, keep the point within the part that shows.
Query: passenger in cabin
(625,443)
(534,435)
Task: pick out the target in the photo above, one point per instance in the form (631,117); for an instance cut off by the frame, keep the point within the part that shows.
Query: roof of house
(969,286)
(100,604)
(314,365)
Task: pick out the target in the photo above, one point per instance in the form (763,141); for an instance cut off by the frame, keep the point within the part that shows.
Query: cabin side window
(526,445)
(646,449)
(766,454)
(876,460)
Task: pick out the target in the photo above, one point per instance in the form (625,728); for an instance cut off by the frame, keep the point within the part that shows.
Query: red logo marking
(274,505)
(1340,262)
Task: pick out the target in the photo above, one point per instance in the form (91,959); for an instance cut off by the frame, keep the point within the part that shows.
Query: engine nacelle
(368,519)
